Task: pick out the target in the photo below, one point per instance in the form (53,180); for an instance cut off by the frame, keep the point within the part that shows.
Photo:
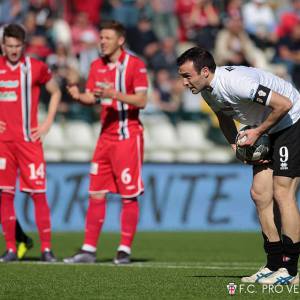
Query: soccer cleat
(263,272)
(122,258)
(23,247)
(81,257)
(9,256)
(281,277)
(48,256)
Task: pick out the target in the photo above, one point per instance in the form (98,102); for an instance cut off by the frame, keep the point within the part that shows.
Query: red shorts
(26,157)
(117,167)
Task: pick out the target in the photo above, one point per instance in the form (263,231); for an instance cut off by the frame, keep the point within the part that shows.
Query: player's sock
(274,251)
(42,217)
(291,255)
(8,218)
(129,220)
(94,220)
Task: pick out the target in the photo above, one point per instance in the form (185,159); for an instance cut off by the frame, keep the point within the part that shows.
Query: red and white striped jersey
(19,96)
(119,120)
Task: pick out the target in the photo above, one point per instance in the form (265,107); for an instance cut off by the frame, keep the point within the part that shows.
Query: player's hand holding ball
(252,153)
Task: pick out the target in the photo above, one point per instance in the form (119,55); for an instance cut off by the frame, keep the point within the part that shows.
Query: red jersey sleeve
(45,73)
(140,81)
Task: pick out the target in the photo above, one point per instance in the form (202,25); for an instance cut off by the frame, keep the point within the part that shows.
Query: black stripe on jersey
(123,112)
(27,108)
(261,95)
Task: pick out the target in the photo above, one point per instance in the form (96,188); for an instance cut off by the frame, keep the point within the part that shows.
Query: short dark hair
(200,57)
(16,31)
(114,25)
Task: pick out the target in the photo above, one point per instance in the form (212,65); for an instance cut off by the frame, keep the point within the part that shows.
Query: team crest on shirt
(2,71)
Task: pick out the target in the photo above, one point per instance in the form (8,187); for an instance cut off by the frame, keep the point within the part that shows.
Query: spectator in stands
(165,56)
(289,53)
(125,11)
(81,28)
(234,46)
(259,21)
(12,11)
(198,21)
(166,96)
(164,21)
(142,39)
(91,8)
(233,9)
(288,20)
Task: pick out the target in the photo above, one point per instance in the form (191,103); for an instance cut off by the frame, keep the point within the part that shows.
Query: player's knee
(260,197)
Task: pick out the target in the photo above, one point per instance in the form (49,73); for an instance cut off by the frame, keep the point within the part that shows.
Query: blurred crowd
(259,33)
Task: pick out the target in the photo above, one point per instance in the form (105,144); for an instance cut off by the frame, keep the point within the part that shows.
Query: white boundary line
(157,265)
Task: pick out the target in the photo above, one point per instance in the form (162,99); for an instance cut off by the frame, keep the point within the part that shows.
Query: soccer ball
(254,153)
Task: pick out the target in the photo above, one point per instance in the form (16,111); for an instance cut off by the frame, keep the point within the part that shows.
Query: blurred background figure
(259,20)
(234,46)
(166,95)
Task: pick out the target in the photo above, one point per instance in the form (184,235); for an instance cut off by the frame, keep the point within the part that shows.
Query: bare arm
(53,89)
(280,107)
(228,128)
(86,98)
(139,99)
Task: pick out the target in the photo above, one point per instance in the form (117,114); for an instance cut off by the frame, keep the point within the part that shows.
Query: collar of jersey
(214,80)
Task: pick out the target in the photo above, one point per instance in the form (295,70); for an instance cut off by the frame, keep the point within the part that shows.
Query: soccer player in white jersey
(255,97)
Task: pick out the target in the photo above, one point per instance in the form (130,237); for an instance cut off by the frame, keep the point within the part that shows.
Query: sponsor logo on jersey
(229,69)
(11,84)
(284,166)
(102,71)
(8,96)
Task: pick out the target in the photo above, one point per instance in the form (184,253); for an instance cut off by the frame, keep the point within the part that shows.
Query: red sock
(129,220)
(42,219)
(8,217)
(94,220)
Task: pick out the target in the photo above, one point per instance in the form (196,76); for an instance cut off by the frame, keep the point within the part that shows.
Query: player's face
(191,78)
(13,49)
(110,42)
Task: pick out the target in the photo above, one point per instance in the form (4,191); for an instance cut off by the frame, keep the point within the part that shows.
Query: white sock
(89,248)
(125,249)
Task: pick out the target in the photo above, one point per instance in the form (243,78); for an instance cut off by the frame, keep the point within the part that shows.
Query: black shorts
(285,151)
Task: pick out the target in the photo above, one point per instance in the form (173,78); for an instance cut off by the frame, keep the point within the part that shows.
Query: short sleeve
(249,89)
(45,73)
(140,81)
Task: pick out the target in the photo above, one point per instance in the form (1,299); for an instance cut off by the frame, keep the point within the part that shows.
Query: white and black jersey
(244,94)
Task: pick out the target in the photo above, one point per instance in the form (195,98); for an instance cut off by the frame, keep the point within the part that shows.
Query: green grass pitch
(166,265)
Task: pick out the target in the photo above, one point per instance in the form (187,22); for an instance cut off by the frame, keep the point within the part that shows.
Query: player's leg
(262,195)
(101,182)
(129,221)
(284,192)
(286,162)
(8,175)
(33,181)
(128,171)
(8,218)
(24,242)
